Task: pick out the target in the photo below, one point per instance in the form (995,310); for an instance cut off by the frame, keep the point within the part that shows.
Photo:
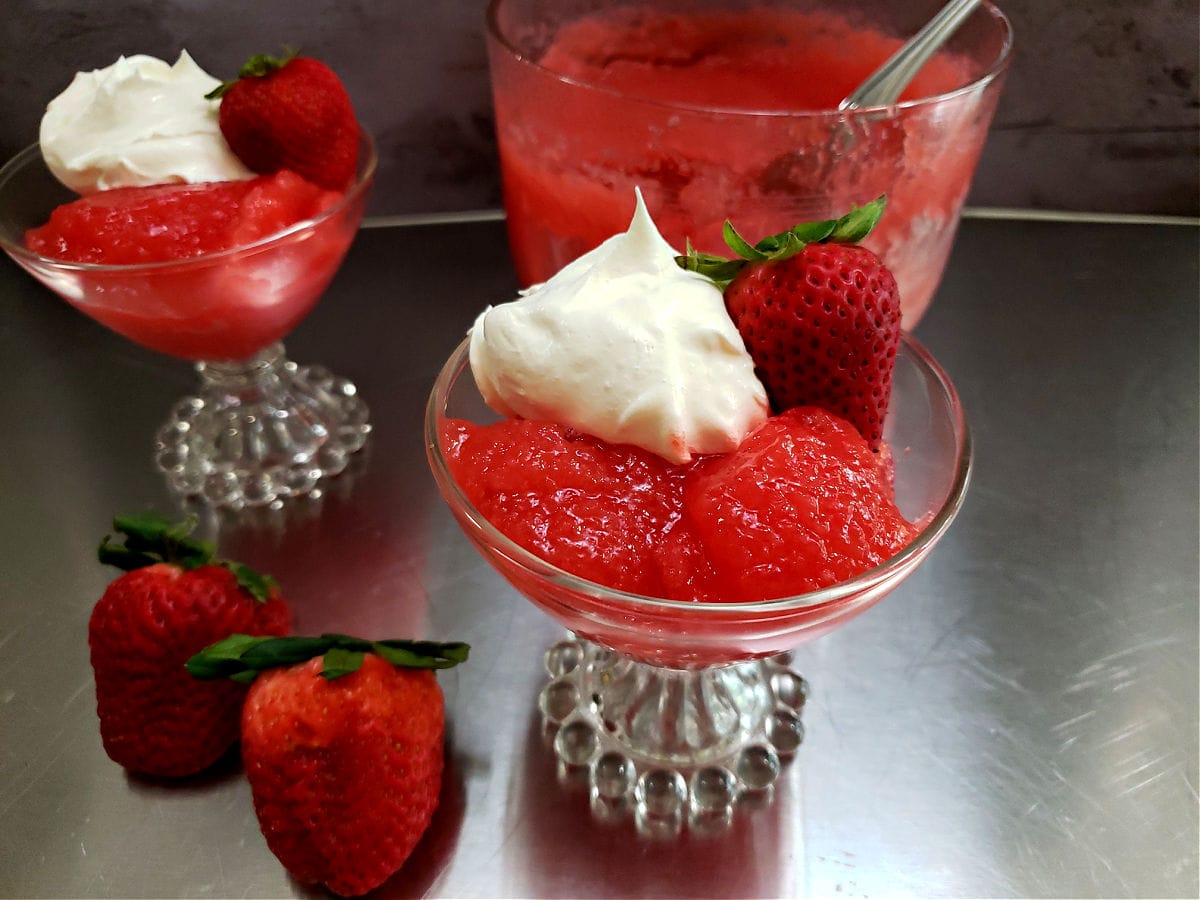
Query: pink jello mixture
(226,309)
(571,156)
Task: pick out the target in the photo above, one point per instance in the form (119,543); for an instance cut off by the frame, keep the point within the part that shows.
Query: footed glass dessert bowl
(260,428)
(678,709)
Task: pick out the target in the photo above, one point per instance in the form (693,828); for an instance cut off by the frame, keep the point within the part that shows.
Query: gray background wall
(1100,113)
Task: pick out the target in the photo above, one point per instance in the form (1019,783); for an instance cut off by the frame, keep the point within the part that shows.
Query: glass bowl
(260,428)
(573,149)
(681,707)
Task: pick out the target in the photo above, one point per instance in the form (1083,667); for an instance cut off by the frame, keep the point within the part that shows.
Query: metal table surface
(1018,719)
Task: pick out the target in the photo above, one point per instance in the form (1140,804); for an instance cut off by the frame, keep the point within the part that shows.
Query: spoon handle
(885,84)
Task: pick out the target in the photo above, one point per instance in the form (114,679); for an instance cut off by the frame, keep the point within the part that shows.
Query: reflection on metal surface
(1018,719)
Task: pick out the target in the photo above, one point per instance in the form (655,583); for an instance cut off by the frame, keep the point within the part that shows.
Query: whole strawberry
(174,600)
(343,745)
(291,112)
(819,314)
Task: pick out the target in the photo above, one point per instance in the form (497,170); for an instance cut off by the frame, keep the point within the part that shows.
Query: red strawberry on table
(291,112)
(173,600)
(343,745)
(820,315)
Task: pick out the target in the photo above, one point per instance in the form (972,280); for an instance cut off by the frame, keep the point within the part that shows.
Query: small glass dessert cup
(574,146)
(260,428)
(678,709)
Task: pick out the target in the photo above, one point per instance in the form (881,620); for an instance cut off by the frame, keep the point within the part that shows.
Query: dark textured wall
(1101,110)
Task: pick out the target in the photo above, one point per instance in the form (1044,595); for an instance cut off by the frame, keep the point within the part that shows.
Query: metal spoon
(885,84)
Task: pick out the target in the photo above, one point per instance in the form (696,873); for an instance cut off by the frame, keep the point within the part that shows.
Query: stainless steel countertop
(1018,719)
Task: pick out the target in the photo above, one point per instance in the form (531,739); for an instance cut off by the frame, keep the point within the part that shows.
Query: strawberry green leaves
(259,65)
(241,657)
(148,539)
(258,584)
(849,229)
(718,269)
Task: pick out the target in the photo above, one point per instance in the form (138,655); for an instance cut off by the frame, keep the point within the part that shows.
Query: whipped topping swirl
(140,121)
(624,345)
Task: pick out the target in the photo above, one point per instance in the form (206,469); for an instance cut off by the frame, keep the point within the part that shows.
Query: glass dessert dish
(650,108)
(677,709)
(260,428)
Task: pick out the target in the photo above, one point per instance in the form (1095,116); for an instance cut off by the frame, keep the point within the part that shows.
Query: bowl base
(259,431)
(671,747)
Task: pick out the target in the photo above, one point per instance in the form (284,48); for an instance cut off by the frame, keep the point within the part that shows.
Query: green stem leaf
(150,539)
(849,229)
(858,223)
(242,656)
(338,662)
(256,583)
(740,245)
(257,66)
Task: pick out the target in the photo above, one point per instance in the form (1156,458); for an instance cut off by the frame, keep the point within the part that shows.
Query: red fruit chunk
(802,504)
(278,202)
(176,221)
(594,509)
(139,225)
(799,506)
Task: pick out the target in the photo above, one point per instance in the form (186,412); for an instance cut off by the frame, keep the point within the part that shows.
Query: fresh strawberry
(820,315)
(173,600)
(291,112)
(343,745)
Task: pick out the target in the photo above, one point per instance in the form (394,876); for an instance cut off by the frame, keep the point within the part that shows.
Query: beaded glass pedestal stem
(260,430)
(666,744)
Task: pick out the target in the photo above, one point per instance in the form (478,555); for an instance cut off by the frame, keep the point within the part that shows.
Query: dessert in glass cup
(718,105)
(602,485)
(134,209)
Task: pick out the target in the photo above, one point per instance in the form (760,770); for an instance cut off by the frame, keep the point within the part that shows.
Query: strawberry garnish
(819,314)
(291,112)
(343,745)
(174,599)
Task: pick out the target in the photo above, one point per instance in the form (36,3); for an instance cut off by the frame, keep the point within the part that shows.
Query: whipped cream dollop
(624,345)
(140,121)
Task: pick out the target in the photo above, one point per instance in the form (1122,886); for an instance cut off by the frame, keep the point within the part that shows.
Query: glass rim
(363,179)
(985,78)
(938,522)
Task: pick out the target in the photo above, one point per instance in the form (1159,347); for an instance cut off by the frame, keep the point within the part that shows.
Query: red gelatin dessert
(168,222)
(802,504)
(187,302)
